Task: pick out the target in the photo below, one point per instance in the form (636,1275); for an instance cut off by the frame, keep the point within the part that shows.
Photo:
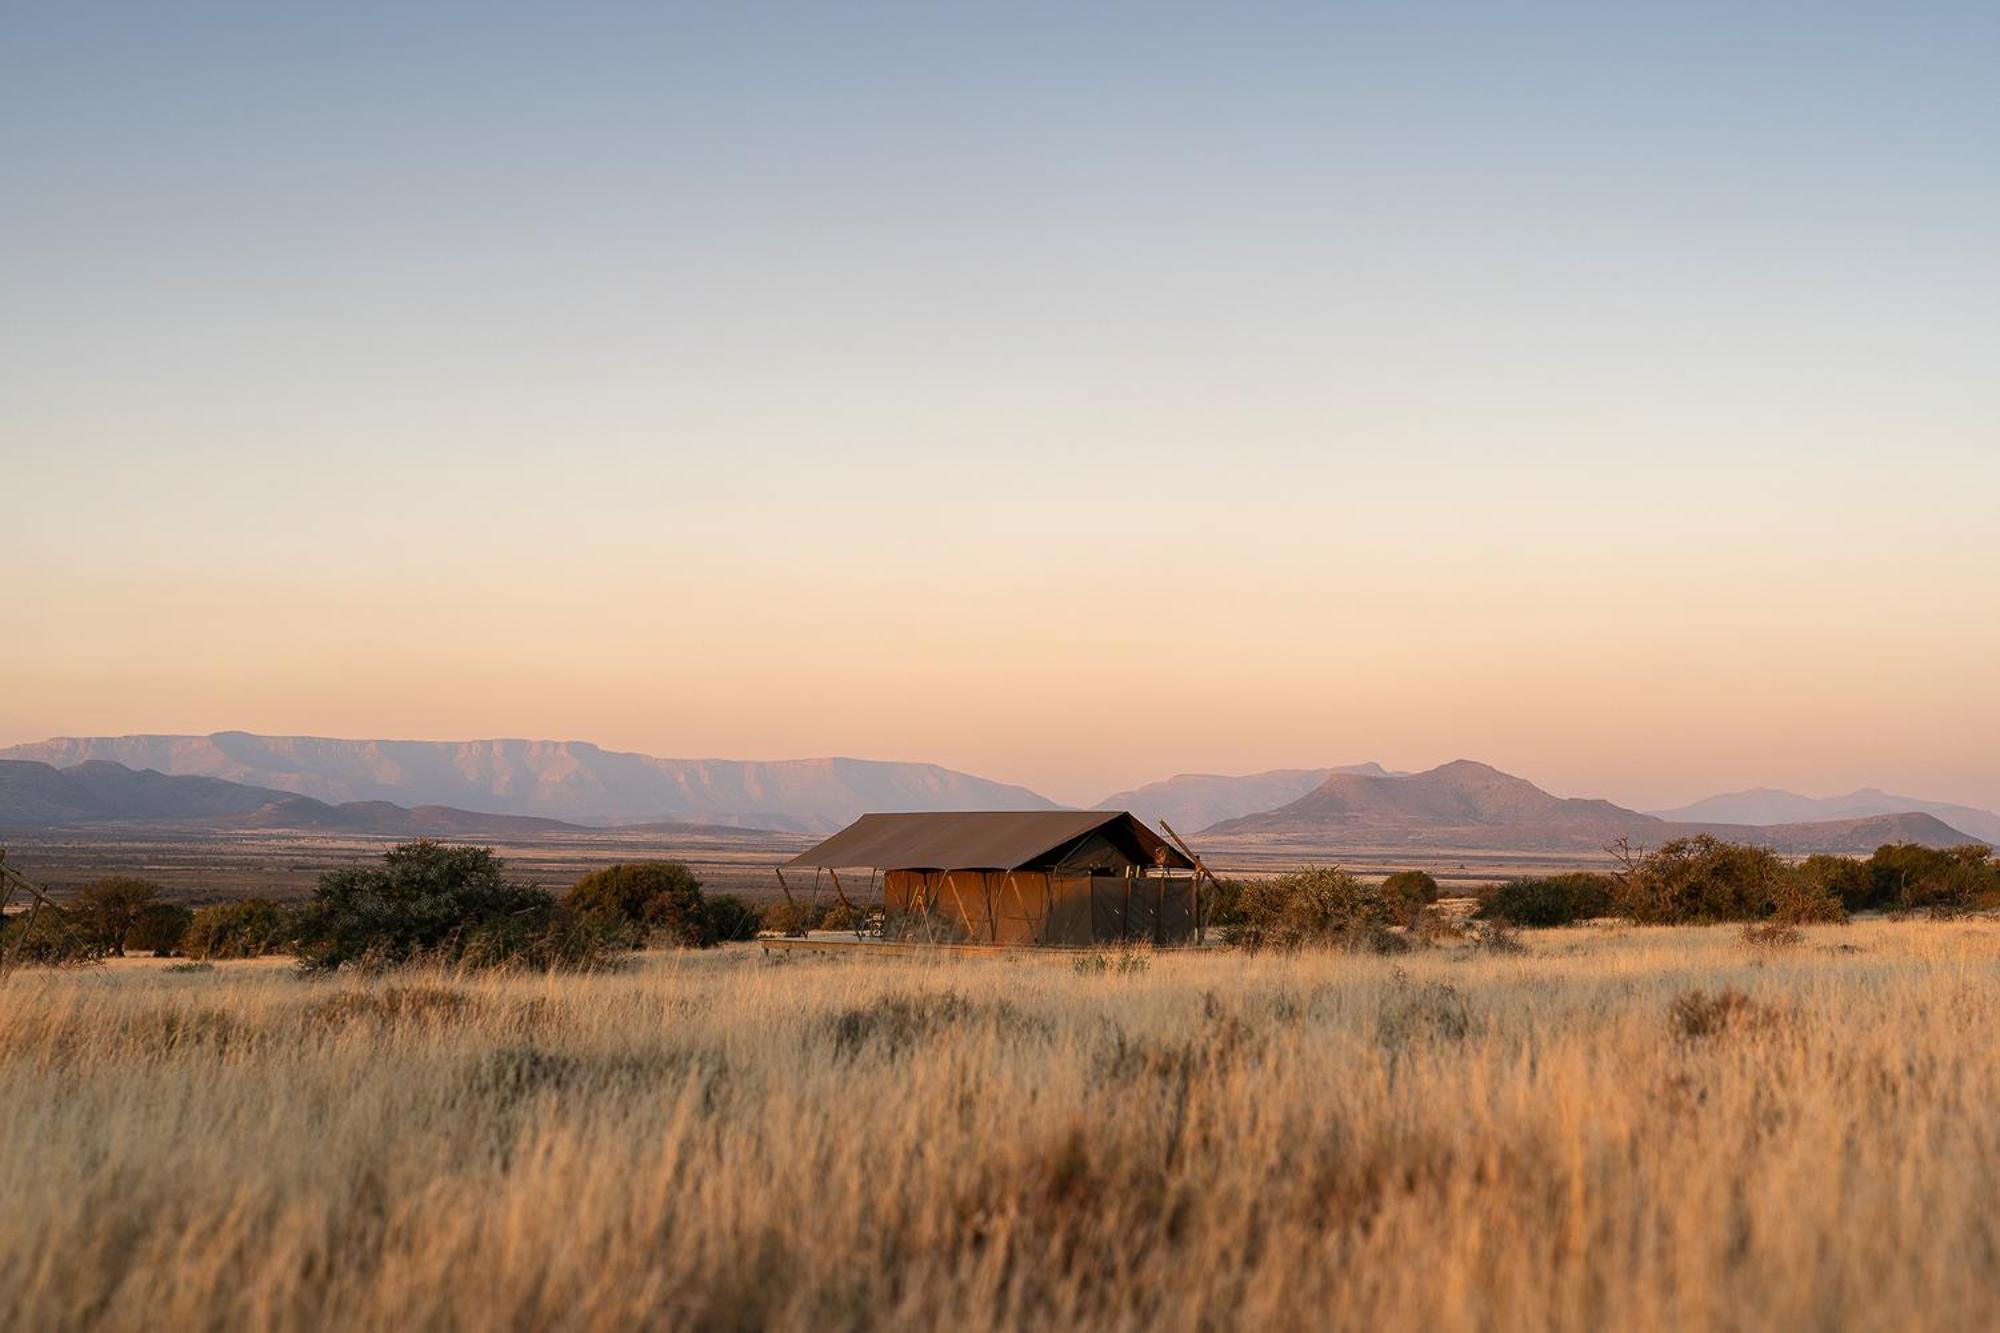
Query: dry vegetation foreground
(1567,1138)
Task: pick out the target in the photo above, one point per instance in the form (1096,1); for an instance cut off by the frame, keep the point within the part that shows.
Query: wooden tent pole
(1194,891)
(841,894)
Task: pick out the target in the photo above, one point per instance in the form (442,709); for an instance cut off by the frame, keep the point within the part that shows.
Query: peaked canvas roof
(977,840)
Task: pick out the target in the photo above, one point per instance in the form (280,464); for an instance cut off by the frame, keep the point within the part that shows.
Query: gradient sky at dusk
(1071,394)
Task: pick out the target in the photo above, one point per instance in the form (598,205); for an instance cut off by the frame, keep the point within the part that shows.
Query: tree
(646,900)
(1409,892)
(1548,900)
(730,918)
(1319,905)
(107,908)
(1701,878)
(160,929)
(1841,878)
(52,937)
(241,928)
(454,904)
(1910,877)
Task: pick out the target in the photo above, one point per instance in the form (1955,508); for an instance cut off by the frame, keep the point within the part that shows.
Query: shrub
(1907,876)
(840,916)
(244,928)
(1772,935)
(1221,903)
(1548,900)
(1319,906)
(107,909)
(1800,899)
(1696,1014)
(1408,893)
(160,929)
(649,901)
(792,918)
(730,918)
(52,937)
(447,904)
(1839,877)
(1702,878)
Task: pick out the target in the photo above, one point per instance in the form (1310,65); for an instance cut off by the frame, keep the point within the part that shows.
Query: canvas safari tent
(1056,877)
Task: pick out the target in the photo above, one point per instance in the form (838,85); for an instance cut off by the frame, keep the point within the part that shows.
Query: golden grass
(1443,1140)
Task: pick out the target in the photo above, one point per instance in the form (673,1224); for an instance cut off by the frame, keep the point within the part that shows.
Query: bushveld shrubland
(1706,879)
(1640,1128)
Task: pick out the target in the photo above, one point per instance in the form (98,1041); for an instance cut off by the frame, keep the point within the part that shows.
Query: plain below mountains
(37,796)
(572,781)
(1473,806)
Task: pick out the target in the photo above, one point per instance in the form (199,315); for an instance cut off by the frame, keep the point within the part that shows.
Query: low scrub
(1318,907)
(244,928)
(1548,900)
(444,905)
(646,902)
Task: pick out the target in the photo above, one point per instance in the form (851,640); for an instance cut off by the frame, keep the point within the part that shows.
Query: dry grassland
(1447,1140)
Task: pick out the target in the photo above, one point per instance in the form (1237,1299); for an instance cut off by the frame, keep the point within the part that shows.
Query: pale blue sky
(1519,344)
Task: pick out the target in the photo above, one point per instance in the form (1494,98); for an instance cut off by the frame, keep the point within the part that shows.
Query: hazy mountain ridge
(1770,805)
(573,781)
(1191,801)
(39,795)
(1476,806)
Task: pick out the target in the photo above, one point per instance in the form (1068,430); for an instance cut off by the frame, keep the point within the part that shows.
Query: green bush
(1548,900)
(160,929)
(1408,893)
(243,928)
(108,908)
(445,904)
(789,918)
(1909,877)
(51,937)
(1321,906)
(1702,878)
(1842,878)
(648,901)
(1221,903)
(730,918)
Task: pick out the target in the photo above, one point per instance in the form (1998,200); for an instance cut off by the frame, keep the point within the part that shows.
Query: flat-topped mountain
(568,780)
(38,795)
(1471,805)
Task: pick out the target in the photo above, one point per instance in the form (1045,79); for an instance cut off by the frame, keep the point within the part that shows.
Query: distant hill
(1191,801)
(38,795)
(1768,805)
(1477,807)
(568,780)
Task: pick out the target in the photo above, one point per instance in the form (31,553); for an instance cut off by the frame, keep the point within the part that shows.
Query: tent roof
(978,840)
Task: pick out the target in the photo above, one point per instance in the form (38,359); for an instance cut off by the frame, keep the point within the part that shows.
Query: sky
(1071,394)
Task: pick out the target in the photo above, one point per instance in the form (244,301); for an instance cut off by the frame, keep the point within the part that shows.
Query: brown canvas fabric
(990,840)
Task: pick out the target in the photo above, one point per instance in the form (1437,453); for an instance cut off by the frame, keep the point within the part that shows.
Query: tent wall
(1032,907)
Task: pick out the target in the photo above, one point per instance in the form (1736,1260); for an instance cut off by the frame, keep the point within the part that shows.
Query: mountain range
(1768,805)
(38,795)
(1194,801)
(572,781)
(501,788)
(1473,805)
